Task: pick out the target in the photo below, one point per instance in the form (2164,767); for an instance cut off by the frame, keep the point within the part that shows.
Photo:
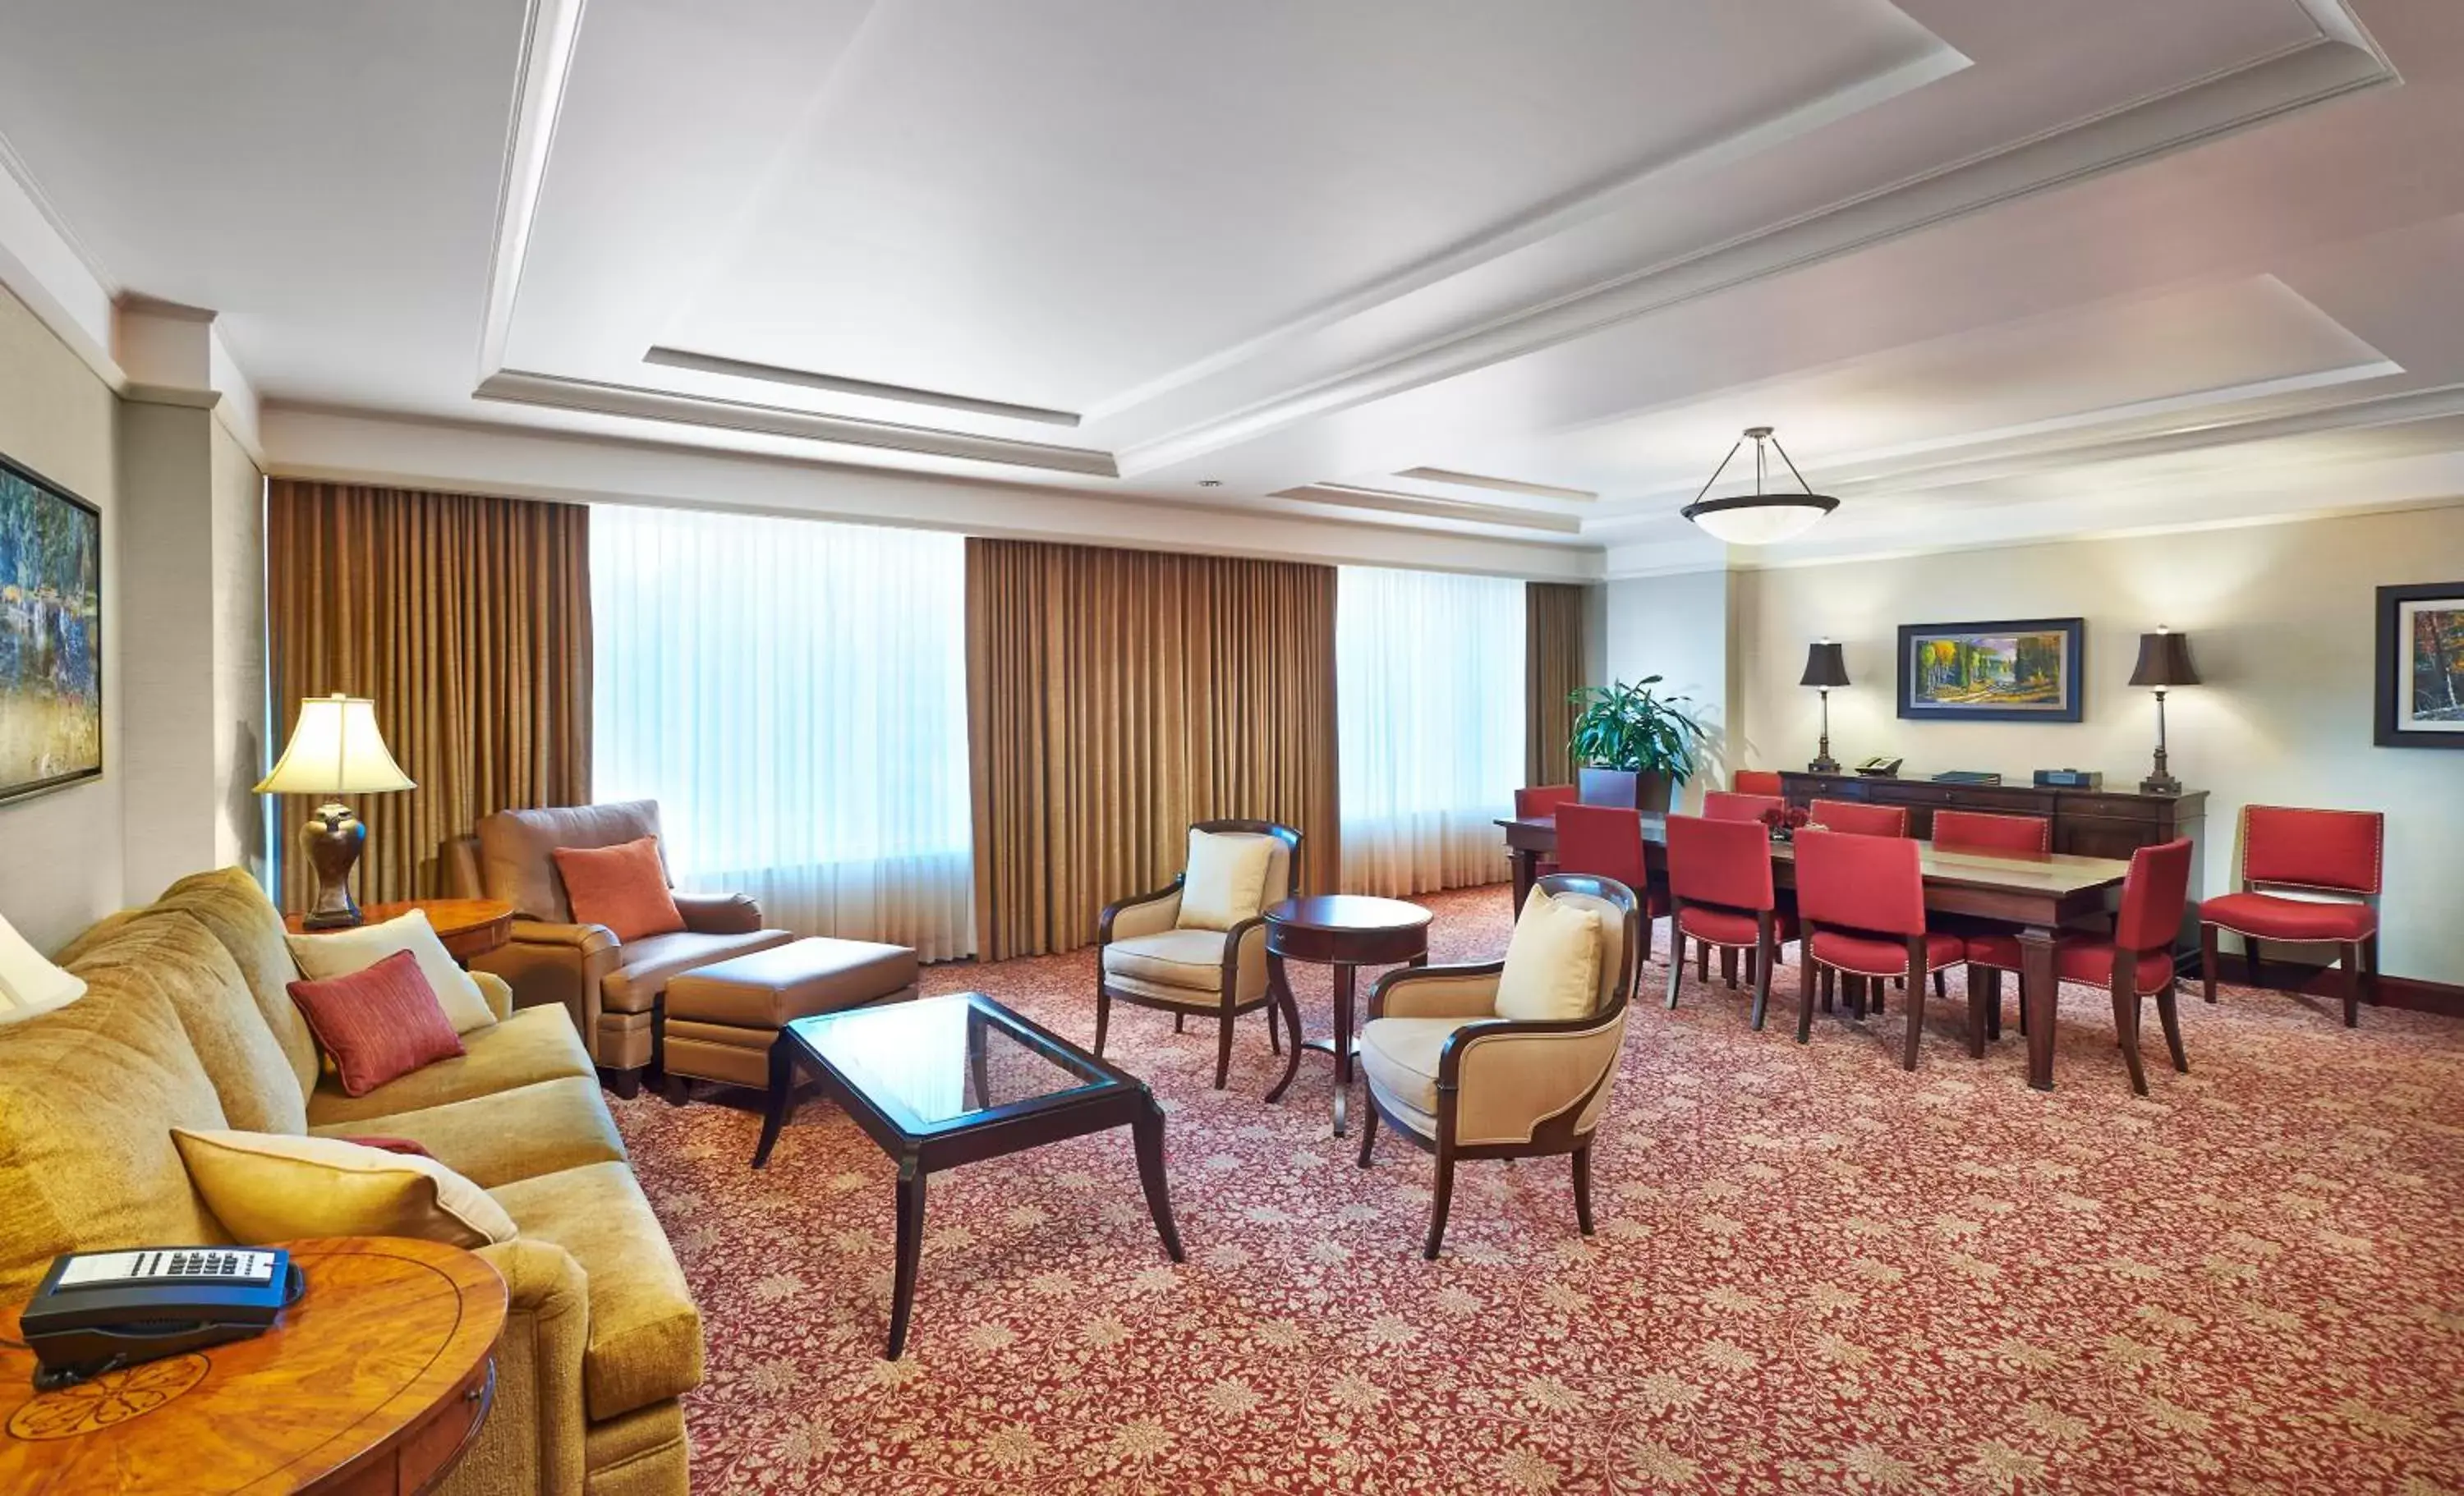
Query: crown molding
(1346,495)
(870,389)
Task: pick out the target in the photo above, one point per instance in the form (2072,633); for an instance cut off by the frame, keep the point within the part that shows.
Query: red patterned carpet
(1814,1272)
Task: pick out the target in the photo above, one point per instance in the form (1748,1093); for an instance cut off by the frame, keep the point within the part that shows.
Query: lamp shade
(1823,665)
(2165,660)
(336,749)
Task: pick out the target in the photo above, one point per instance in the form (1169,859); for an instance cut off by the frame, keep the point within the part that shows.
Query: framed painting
(2016,670)
(51,635)
(2421,666)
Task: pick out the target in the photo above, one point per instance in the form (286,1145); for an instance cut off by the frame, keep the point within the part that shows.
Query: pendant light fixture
(1759,518)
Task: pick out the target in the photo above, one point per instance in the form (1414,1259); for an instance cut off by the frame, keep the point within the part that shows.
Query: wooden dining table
(2032,894)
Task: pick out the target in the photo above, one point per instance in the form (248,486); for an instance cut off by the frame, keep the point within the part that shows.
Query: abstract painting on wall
(2020,671)
(2421,666)
(51,635)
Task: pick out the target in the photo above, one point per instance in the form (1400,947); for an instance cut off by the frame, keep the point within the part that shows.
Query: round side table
(469,927)
(1347,932)
(376,1381)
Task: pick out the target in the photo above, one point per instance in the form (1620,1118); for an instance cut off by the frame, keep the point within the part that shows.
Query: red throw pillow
(392,1145)
(623,888)
(380,1022)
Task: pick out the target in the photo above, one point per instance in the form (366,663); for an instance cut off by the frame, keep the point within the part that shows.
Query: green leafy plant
(1630,727)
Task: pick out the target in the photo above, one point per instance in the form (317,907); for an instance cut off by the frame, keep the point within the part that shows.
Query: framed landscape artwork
(2421,666)
(2016,670)
(51,635)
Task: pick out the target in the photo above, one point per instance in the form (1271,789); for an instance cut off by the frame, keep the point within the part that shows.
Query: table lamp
(1824,669)
(335,750)
(2164,660)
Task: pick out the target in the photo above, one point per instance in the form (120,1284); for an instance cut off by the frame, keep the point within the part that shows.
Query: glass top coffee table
(940,1082)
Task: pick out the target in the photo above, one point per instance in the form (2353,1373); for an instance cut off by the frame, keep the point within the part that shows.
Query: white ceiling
(1995,269)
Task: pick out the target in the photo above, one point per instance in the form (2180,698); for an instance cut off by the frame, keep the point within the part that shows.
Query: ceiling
(1996,269)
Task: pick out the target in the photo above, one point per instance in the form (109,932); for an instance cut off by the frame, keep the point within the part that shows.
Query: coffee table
(940,1082)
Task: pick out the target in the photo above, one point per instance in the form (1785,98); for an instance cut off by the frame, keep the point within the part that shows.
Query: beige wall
(2280,619)
(239,703)
(1677,628)
(60,853)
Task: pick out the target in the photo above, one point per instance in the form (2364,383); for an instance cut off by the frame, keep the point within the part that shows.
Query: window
(794,695)
(1428,680)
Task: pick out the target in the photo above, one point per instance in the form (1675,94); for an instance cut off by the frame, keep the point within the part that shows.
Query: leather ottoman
(723,1020)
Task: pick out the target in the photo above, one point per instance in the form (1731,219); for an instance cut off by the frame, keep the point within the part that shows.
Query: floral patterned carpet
(1814,1272)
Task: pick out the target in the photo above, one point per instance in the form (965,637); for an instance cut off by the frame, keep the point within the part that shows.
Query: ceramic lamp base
(333,838)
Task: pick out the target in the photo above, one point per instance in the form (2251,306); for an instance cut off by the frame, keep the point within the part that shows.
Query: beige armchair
(1189,950)
(612,988)
(1455,1063)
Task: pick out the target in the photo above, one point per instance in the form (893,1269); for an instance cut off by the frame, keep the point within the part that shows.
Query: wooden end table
(375,1381)
(469,927)
(1347,932)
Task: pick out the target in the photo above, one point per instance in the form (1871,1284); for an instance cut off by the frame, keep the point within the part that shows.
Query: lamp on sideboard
(1824,669)
(2163,662)
(335,750)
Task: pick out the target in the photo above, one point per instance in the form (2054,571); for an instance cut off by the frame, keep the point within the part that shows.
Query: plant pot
(1644,790)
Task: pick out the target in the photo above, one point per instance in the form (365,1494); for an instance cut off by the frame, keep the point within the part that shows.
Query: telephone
(98,1311)
(1880,768)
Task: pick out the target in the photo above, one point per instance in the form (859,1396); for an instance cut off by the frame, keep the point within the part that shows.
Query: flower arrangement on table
(1785,823)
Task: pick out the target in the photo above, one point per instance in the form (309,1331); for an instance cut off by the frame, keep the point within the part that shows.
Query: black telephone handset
(1878,768)
(97,1310)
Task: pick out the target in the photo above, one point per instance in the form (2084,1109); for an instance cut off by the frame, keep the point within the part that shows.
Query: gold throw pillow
(269,1187)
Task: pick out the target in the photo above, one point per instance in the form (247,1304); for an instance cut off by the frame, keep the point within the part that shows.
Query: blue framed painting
(51,635)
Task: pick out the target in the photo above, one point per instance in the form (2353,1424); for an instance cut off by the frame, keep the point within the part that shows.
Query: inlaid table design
(376,1381)
(2032,894)
(1347,932)
(940,1082)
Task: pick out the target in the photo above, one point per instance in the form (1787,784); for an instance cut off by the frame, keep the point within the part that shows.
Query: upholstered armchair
(612,988)
(1512,1059)
(1198,945)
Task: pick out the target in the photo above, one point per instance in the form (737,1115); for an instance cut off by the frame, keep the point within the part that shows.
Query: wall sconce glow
(1759,518)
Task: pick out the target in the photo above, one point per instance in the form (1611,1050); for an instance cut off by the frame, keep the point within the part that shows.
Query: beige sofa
(612,988)
(187,1021)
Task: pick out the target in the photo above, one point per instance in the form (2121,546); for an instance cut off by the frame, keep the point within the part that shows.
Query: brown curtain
(1552,667)
(1113,697)
(468,621)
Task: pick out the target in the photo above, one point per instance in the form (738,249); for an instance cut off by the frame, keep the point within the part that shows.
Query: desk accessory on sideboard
(1967,777)
(1880,768)
(96,1311)
(2070,779)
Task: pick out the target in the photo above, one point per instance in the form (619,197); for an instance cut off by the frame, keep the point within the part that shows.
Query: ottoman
(723,1020)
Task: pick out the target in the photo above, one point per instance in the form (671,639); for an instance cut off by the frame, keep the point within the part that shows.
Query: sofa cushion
(1188,959)
(508,1135)
(534,1044)
(513,848)
(178,956)
(266,1188)
(645,966)
(645,1342)
(623,888)
(1400,1055)
(379,1024)
(231,904)
(339,952)
(89,1094)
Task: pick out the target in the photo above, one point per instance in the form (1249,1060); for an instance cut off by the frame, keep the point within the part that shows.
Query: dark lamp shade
(2165,660)
(1823,665)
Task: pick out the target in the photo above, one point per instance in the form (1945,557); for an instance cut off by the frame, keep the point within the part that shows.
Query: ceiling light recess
(1759,518)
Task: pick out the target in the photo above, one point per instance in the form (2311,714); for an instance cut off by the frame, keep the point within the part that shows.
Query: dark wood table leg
(1526,872)
(1345,977)
(1280,982)
(911,1247)
(2038,995)
(781,1102)
(1146,1130)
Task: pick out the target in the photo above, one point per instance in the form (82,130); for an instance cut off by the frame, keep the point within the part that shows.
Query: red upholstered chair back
(1604,841)
(1720,805)
(1720,862)
(1975,831)
(1852,819)
(2153,897)
(1541,799)
(1756,782)
(2332,849)
(1870,883)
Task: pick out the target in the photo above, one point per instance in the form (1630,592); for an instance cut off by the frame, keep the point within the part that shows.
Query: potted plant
(1636,746)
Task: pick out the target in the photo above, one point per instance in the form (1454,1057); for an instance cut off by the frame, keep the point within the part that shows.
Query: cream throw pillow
(29,982)
(1225,880)
(269,1187)
(1553,964)
(339,952)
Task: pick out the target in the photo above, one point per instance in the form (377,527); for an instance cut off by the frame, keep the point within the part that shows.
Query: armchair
(1459,1061)
(613,989)
(1210,956)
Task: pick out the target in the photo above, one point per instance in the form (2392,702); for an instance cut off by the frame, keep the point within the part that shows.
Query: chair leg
(1978,1023)
(2208,963)
(1941,986)
(2370,967)
(1988,982)
(1676,965)
(2348,955)
(1103,1016)
(1438,1201)
(1180,1022)
(2172,1017)
(1806,982)
(1368,1131)
(1701,962)
(1915,984)
(1762,965)
(2126,1025)
(1224,1050)
(1729,966)
(1583,1188)
(1830,984)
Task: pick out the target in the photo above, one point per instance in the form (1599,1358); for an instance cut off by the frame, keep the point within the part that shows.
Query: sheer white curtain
(794,695)
(1428,683)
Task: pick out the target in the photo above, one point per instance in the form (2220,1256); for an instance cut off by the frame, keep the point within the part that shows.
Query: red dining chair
(1720,893)
(1606,842)
(2136,963)
(1856,817)
(1543,799)
(1720,805)
(1757,781)
(1978,831)
(1860,904)
(2332,858)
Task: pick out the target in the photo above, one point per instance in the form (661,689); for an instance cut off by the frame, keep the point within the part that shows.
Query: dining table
(2034,895)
